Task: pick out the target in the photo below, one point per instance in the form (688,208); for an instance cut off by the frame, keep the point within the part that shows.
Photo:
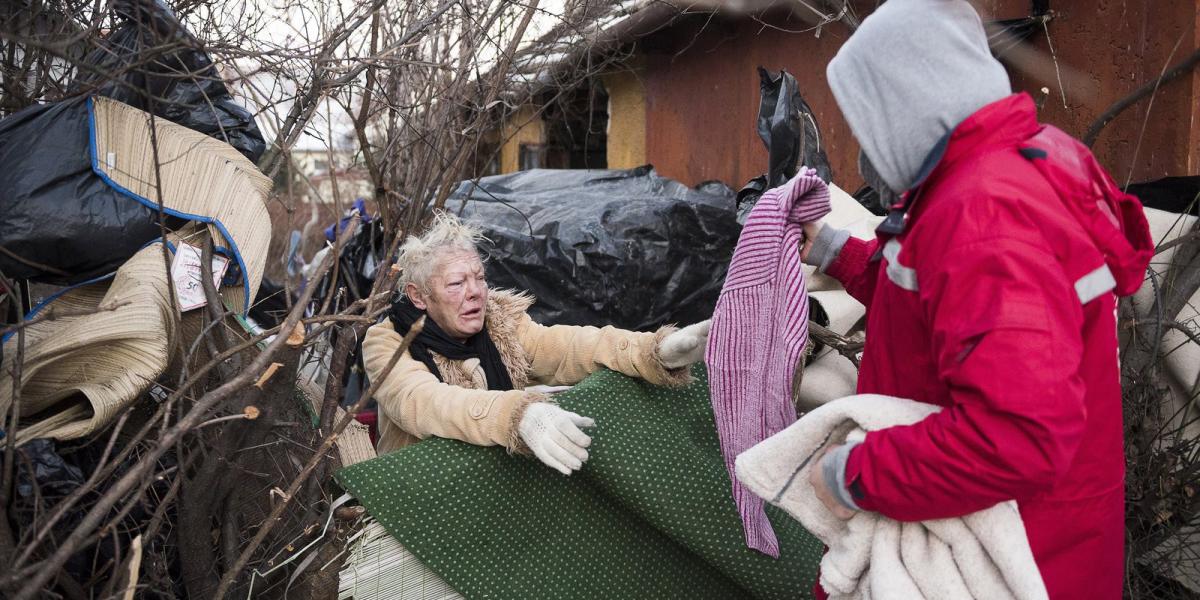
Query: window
(532,156)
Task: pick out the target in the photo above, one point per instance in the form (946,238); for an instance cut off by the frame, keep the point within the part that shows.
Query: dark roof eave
(655,16)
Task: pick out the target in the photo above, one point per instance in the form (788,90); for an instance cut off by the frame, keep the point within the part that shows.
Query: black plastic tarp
(59,222)
(614,247)
(150,61)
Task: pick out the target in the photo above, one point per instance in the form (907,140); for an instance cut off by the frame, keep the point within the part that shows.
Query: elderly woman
(466,375)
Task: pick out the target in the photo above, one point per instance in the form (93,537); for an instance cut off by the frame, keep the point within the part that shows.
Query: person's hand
(685,346)
(555,437)
(811,229)
(816,477)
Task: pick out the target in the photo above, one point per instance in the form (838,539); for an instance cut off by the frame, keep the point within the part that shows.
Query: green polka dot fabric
(650,515)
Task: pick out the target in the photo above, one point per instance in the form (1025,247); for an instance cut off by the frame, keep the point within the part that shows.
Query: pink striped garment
(759,331)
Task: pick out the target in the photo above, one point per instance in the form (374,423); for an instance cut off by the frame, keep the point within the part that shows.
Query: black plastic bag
(152,52)
(59,222)
(869,198)
(357,263)
(43,468)
(1172,194)
(270,305)
(748,196)
(788,129)
(605,247)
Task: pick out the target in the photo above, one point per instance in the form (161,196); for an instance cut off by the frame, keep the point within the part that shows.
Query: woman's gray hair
(419,256)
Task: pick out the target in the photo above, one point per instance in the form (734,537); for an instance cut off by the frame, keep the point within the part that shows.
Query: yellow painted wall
(523,127)
(626,119)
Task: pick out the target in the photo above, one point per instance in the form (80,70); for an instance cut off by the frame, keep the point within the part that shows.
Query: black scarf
(433,338)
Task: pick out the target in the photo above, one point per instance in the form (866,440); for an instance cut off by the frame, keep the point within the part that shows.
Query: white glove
(555,436)
(685,346)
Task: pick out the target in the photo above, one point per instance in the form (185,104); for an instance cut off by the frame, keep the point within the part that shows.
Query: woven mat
(200,178)
(649,516)
(379,568)
(81,370)
(85,366)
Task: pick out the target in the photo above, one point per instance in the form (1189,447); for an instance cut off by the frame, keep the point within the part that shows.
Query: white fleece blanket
(983,555)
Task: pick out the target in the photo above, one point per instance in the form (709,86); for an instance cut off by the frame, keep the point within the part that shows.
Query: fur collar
(504,311)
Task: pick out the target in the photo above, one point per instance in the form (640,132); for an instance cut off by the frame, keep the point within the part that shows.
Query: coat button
(482,406)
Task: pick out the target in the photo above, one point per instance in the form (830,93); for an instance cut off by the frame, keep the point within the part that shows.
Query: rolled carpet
(650,514)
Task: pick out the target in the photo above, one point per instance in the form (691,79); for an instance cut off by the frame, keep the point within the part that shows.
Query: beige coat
(413,404)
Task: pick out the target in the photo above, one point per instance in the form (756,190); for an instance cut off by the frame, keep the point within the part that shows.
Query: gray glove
(685,346)
(555,436)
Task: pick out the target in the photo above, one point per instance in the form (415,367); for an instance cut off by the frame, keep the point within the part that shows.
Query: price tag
(185,272)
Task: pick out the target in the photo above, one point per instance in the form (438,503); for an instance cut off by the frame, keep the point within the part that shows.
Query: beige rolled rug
(119,335)
(379,567)
(202,179)
(79,372)
(831,375)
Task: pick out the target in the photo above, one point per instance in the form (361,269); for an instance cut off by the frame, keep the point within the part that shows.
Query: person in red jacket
(991,290)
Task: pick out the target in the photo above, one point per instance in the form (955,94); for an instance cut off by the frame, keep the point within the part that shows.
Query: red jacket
(998,302)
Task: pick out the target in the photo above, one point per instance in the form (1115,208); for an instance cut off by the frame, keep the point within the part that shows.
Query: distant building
(684,93)
(326,151)
(352,179)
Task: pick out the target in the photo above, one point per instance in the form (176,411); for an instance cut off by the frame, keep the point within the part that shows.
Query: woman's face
(457,298)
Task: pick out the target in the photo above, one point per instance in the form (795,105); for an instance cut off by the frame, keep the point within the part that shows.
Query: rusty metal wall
(702,97)
(702,91)
(1103,50)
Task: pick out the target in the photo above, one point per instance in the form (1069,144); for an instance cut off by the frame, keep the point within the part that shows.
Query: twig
(1187,237)
(135,564)
(1184,329)
(48,568)
(1054,57)
(339,319)
(237,417)
(10,433)
(342,350)
(845,346)
(213,303)
(1137,147)
(172,296)
(326,444)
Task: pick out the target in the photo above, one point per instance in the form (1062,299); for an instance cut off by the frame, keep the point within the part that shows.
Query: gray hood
(910,74)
